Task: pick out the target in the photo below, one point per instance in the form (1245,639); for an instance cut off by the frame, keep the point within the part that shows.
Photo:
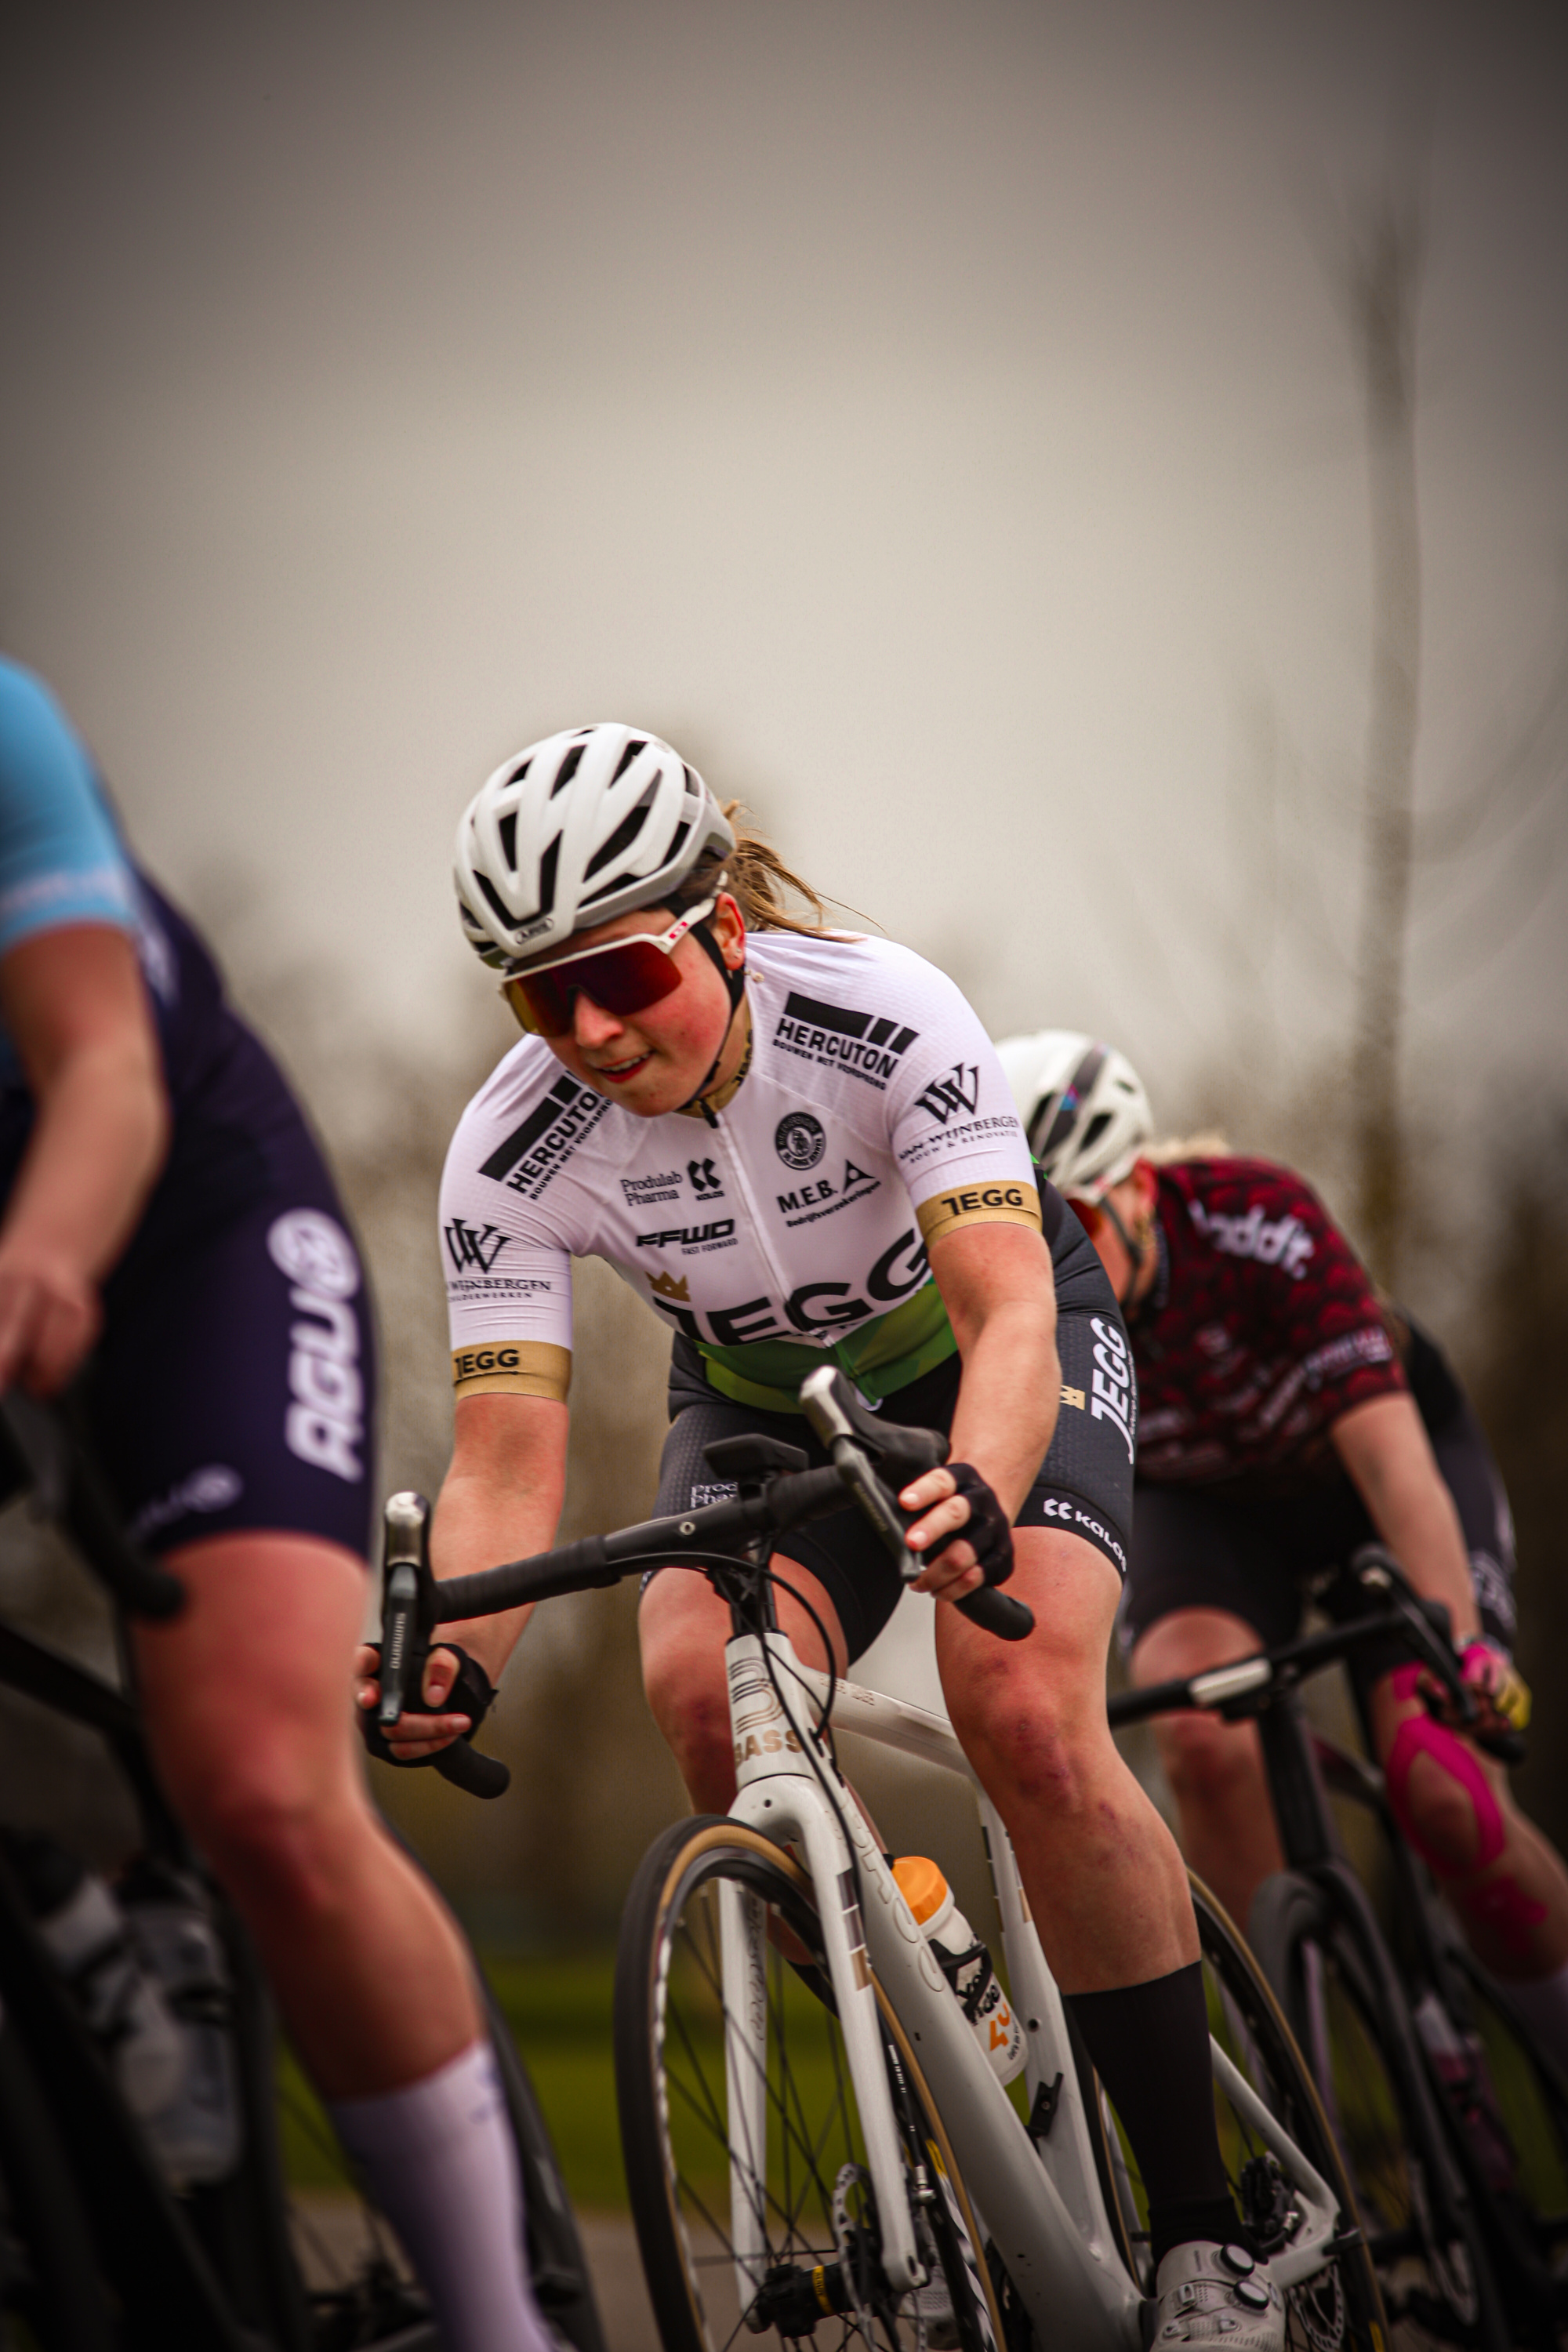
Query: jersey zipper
(735,1171)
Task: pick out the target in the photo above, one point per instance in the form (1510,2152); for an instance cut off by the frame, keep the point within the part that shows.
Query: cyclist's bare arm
(1384,1449)
(500,1500)
(999,1289)
(74,1006)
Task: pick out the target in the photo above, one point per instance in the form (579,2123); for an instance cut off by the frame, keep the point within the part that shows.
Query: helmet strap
(734,987)
(1136,1247)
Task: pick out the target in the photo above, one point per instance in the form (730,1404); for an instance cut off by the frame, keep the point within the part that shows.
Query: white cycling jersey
(871,1117)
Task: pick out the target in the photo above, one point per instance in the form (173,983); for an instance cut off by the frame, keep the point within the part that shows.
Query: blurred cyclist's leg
(250,1702)
(1215,1769)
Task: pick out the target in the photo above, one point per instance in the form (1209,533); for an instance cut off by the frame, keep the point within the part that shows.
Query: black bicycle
(1452,2123)
(99,2252)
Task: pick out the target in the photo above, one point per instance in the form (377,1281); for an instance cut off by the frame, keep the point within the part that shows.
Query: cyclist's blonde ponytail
(760,882)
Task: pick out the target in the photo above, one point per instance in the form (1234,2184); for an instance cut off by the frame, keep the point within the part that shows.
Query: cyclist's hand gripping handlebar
(1453,1692)
(408,1619)
(43,1449)
(860,1446)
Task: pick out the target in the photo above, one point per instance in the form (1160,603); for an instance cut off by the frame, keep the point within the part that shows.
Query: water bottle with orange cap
(964,1961)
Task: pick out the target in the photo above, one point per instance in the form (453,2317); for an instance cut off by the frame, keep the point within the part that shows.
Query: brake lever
(997,1611)
(407,1599)
(408,1619)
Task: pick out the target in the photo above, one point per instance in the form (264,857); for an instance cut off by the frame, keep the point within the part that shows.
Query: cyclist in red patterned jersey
(1288,1415)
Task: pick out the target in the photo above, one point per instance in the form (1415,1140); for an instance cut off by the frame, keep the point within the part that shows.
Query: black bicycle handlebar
(1236,1690)
(40,1447)
(715,1536)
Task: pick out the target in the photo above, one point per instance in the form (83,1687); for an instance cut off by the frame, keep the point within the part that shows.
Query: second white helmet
(1083,1107)
(575,830)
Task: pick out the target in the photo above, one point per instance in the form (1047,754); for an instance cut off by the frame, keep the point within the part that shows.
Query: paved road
(331,2237)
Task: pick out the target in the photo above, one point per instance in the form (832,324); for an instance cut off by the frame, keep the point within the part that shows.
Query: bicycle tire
(1509,2110)
(368,2302)
(1340,2309)
(48,2263)
(1432,2267)
(558,2266)
(810,2185)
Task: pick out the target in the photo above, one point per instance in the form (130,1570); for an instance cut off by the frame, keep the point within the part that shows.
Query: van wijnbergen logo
(800,1140)
(957,1089)
(469,1246)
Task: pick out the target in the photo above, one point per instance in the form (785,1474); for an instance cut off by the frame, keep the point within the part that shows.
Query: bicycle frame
(1040,2196)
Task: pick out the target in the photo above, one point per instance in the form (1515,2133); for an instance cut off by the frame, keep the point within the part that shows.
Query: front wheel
(1339,2309)
(1431,2264)
(745,2162)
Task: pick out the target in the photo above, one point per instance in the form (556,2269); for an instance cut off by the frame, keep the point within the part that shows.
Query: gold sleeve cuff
(978,1204)
(512,1368)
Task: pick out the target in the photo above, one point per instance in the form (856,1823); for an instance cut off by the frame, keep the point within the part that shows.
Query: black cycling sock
(1149,2044)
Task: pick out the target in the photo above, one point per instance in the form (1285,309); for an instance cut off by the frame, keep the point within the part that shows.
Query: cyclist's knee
(1026,1745)
(270,1835)
(1210,1765)
(1442,1800)
(691,1709)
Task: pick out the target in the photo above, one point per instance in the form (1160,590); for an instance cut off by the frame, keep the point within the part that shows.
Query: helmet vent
(638,744)
(547,878)
(625,833)
(567,770)
(1094,1130)
(507,830)
(502,911)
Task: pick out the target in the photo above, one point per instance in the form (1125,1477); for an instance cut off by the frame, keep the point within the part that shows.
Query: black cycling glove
(988,1529)
(472,1693)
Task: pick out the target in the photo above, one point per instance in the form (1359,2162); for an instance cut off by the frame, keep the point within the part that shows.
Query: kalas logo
(800,1140)
(958,1089)
(705,1179)
(471,1248)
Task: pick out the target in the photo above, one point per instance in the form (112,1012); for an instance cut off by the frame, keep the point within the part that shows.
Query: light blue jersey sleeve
(61,860)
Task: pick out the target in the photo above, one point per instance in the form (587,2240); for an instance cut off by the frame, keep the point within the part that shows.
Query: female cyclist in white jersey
(794,1144)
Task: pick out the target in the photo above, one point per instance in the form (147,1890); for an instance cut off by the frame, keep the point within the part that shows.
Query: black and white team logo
(324,1422)
(705,1178)
(957,1089)
(314,1251)
(800,1140)
(469,1246)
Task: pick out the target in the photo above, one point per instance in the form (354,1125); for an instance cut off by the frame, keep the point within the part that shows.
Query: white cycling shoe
(1217,2294)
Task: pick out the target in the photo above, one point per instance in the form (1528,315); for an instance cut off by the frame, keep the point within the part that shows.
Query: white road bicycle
(816,2145)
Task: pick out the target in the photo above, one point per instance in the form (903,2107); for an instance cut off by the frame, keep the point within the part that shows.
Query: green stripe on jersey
(882,1356)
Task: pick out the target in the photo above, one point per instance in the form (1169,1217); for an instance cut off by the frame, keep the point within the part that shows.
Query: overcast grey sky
(935,419)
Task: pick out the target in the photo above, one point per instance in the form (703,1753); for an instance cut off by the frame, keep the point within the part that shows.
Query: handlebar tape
(475,1774)
(998,1612)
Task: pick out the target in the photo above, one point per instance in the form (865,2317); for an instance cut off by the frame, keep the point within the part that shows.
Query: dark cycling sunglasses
(627,976)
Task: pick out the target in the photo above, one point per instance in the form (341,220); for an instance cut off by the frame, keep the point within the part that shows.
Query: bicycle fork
(778,1794)
(1073,2292)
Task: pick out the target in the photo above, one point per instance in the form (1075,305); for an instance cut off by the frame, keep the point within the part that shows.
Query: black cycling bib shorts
(1084,1486)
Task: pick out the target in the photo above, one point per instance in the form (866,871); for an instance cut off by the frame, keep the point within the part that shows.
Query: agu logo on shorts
(326,1420)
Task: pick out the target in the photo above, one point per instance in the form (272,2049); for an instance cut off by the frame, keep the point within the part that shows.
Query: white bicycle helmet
(1083,1108)
(575,830)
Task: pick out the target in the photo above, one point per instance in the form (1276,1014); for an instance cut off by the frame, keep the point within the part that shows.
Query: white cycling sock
(1542,2002)
(437,2155)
